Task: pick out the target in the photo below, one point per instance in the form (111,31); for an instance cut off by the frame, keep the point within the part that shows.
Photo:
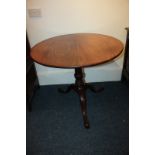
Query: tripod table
(77,51)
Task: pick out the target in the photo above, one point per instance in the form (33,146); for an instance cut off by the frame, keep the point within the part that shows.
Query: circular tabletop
(76,50)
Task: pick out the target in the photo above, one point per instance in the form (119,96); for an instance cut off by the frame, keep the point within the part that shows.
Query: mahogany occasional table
(77,51)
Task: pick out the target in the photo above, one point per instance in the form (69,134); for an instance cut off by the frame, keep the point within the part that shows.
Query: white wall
(108,17)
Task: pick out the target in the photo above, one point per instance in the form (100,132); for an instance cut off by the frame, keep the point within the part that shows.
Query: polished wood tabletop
(76,50)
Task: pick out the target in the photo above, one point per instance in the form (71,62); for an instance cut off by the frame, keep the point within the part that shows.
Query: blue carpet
(55,125)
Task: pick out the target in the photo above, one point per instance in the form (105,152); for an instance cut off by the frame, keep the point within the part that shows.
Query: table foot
(83,103)
(67,90)
(94,89)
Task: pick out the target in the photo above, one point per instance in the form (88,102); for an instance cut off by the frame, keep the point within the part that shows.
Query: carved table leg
(80,89)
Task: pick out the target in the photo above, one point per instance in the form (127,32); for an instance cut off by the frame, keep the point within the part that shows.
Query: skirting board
(52,76)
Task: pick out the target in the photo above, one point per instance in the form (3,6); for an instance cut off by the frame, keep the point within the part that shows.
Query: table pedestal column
(80,87)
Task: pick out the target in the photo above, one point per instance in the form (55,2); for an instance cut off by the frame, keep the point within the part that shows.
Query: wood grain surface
(76,50)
